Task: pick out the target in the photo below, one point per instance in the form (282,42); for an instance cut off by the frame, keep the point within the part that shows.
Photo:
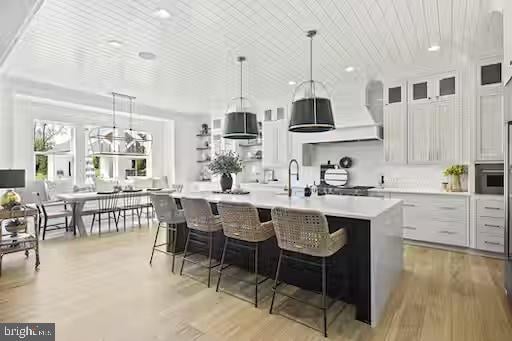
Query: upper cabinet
(489,112)
(275,143)
(395,120)
(434,127)
(507,41)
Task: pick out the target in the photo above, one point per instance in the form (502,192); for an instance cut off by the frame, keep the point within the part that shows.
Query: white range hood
(372,132)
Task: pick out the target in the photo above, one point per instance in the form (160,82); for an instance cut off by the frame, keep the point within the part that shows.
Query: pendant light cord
(241,82)
(131,113)
(113,110)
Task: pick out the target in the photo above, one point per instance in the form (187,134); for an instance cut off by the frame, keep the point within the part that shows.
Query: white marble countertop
(417,191)
(331,205)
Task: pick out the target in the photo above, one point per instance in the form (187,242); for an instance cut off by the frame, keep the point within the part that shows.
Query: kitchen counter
(364,272)
(331,205)
(416,191)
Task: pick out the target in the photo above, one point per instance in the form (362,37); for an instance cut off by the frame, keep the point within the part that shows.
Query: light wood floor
(104,289)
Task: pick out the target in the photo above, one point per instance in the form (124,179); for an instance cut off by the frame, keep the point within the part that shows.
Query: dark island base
(348,272)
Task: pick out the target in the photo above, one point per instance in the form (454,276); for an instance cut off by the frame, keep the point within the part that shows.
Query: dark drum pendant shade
(240,122)
(311,106)
(241,126)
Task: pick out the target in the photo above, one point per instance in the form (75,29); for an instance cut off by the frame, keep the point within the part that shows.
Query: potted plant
(226,164)
(454,172)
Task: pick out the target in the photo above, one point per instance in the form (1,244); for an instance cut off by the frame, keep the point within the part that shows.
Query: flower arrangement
(455,170)
(226,163)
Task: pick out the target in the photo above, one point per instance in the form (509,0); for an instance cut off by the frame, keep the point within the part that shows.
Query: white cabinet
(395,120)
(275,143)
(435,218)
(490,225)
(434,120)
(434,132)
(489,125)
(507,41)
(489,112)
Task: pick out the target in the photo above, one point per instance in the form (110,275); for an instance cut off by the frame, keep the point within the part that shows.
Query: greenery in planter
(455,170)
(226,163)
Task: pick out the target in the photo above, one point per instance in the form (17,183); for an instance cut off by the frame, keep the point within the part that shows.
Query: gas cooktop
(345,190)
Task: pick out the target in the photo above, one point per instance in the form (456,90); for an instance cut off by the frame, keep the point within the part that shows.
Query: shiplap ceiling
(66,44)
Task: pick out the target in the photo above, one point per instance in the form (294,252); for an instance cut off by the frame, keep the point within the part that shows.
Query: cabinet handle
(492,208)
(447,232)
(408,205)
(493,243)
(491,225)
(410,228)
(447,208)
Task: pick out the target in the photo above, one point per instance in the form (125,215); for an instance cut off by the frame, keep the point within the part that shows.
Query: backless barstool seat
(168,217)
(200,221)
(241,222)
(305,232)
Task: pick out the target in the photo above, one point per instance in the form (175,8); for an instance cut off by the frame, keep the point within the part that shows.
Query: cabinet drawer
(450,236)
(493,243)
(490,225)
(490,208)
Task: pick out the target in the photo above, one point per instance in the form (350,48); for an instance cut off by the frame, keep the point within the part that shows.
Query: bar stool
(240,221)
(168,217)
(200,220)
(305,232)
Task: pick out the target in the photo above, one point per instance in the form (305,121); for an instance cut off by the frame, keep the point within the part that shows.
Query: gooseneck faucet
(290,175)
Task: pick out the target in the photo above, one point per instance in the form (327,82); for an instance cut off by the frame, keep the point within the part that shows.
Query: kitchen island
(363,273)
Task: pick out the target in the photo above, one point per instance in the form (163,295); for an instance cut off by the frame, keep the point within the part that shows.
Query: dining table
(77,201)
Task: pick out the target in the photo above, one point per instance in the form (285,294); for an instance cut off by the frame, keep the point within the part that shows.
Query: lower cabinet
(439,219)
(490,225)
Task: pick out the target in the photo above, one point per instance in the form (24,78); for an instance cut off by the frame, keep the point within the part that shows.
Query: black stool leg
(274,287)
(154,245)
(210,250)
(185,253)
(226,241)
(324,289)
(256,275)
(175,237)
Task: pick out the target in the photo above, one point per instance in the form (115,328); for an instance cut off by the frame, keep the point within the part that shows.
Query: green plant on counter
(455,170)
(226,163)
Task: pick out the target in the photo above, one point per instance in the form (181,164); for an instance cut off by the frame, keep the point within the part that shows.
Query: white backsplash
(368,166)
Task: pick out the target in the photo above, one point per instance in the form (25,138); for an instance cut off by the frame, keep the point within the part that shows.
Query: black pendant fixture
(240,121)
(311,106)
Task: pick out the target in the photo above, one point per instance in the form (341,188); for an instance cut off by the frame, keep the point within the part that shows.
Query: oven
(489,178)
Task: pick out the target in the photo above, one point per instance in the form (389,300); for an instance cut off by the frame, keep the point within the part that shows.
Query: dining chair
(107,204)
(52,211)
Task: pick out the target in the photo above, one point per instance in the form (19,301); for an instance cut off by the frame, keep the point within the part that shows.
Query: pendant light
(311,106)
(240,122)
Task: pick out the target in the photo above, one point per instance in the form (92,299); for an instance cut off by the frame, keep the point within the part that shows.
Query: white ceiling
(66,44)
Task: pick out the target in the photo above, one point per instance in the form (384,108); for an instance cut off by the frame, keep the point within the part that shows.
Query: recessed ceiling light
(349,68)
(162,13)
(292,83)
(434,48)
(115,43)
(147,55)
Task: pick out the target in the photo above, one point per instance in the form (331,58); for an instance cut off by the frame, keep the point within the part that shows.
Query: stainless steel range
(325,188)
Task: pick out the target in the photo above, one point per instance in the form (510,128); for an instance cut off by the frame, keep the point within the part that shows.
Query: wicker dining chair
(241,222)
(169,216)
(200,221)
(107,204)
(305,232)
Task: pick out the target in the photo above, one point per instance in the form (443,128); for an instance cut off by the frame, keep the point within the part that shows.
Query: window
(447,86)
(395,95)
(490,74)
(53,154)
(138,168)
(419,91)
